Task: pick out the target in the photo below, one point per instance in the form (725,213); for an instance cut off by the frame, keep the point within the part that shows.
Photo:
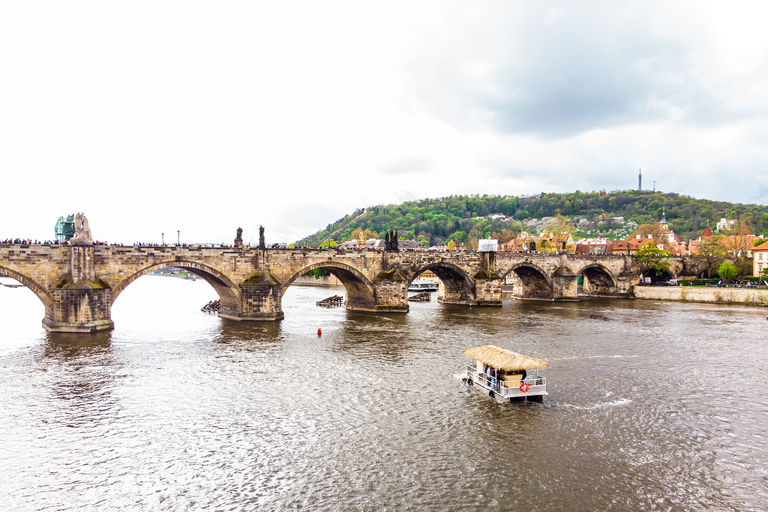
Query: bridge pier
(81,302)
(487,288)
(261,300)
(565,284)
(390,293)
(487,293)
(82,309)
(482,289)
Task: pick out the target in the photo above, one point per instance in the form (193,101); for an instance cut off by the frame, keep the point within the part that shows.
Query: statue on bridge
(262,243)
(390,241)
(82,231)
(239,238)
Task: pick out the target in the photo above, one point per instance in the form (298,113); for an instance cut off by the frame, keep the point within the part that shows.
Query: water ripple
(651,407)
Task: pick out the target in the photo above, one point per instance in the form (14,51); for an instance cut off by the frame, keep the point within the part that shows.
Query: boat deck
(532,387)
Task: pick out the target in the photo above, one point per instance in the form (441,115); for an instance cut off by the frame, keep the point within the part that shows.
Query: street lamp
(178,233)
(163,237)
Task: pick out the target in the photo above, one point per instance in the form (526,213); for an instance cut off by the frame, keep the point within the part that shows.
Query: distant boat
(422,285)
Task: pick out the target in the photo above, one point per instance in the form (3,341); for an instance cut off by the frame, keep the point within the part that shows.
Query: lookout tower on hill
(640,180)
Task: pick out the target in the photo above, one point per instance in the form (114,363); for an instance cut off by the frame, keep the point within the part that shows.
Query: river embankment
(330,281)
(714,294)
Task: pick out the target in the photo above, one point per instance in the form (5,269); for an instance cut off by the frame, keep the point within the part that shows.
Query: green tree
(443,216)
(317,273)
(653,258)
(657,231)
(560,224)
(548,243)
(711,252)
(459,236)
(726,271)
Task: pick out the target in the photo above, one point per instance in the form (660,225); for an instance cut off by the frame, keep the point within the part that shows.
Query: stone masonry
(79,284)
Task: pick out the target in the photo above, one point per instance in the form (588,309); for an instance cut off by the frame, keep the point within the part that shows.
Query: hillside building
(724,224)
(760,260)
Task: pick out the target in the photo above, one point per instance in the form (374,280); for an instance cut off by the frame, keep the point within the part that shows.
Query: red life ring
(524,387)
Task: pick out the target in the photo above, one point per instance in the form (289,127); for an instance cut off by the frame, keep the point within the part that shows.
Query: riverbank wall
(320,281)
(714,295)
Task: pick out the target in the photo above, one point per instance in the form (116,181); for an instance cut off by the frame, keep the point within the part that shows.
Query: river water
(652,406)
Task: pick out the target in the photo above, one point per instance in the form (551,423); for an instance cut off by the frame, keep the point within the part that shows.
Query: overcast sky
(203,117)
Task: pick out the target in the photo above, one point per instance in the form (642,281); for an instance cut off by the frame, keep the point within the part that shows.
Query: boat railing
(508,389)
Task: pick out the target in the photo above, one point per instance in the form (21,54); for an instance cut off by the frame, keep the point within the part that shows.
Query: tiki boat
(506,375)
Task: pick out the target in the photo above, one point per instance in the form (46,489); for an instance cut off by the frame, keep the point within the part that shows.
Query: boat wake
(605,405)
(584,358)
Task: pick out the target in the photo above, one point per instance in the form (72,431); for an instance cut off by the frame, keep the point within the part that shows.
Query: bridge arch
(360,290)
(229,292)
(537,283)
(41,293)
(458,287)
(598,279)
(665,275)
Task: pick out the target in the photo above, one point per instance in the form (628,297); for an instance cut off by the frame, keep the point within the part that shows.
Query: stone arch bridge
(79,284)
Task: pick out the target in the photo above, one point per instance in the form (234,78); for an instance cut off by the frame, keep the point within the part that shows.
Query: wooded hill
(463,218)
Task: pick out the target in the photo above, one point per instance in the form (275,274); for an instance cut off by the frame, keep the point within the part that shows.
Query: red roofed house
(620,247)
(676,248)
(636,243)
(743,242)
(594,246)
(693,246)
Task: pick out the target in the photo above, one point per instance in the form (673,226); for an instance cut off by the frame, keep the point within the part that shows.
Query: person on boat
(500,380)
(492,376)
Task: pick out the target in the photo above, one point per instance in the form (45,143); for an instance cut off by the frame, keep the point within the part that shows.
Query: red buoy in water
(319,332)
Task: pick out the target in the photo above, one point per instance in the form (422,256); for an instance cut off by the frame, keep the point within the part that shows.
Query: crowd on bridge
(29,241)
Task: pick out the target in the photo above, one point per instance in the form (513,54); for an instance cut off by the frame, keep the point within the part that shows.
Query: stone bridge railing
(79,284)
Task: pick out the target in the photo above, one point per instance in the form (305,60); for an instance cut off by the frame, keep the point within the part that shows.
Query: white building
(725,224)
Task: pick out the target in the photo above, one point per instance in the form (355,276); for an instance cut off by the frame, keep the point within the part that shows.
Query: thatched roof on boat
(504,359)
